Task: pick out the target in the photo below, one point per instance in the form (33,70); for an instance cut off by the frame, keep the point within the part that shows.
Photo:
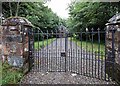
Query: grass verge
(91,47)
(39,44)
(10,75)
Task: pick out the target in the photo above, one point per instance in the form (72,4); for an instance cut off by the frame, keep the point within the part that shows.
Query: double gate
(80,52)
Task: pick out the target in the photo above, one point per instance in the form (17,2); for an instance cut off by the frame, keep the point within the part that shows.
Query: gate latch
(63,54)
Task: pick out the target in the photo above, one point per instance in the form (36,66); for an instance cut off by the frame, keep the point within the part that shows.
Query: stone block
(7,31)
(26,54)
(24,39)
(13,28)
(16,61)
(109,35)
(117,73)
(25,47)
(26,68)
(117,36)
(6,50)
(1,28)
(15,48)
(118,59)
(109,45)
(1,31)
(110,55)
(0,39)
(14,38)
(1,49)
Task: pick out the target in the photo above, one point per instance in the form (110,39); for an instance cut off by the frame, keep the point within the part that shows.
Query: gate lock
(63,54)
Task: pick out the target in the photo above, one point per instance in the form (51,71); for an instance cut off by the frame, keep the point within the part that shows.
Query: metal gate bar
(62,52)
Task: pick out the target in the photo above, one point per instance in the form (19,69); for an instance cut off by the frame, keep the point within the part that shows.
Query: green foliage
(39,15)
(90,14)
(10,75)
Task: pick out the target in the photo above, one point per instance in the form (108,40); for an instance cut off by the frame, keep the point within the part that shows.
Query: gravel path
(59,78)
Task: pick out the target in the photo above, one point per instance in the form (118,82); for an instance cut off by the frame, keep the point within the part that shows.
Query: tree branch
(10,9)
(17,9)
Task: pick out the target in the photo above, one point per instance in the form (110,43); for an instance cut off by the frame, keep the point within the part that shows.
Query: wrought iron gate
(80,52)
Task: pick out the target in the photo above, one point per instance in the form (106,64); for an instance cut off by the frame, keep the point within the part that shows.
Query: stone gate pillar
(1,50)
(113,47)
(15,42)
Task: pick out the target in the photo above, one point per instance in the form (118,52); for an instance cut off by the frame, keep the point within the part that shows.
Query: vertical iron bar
(41,53)
(73,60)
(52,50)
(40,57)
(60,50)
(76,55)
(38,51)
(102,65)
(43,58)
(47,50)
(49,60)
(108,62)
(81,50)
(95,63)
(1,13)
(33,50)
(69,60)
(86,47)
(78,61)
(66,51)
(28,48)
(33,47)
(58,63)
(58,60)
(56,51)
(113,52)
(79,56)
(99,53)
(89,63)
(84,62)
(105,54)
(92,51)
(71,51)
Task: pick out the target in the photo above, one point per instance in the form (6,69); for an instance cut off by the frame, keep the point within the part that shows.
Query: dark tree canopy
(91,14)
(39,15)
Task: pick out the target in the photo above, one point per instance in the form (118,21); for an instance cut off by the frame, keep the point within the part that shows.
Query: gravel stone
(60,78)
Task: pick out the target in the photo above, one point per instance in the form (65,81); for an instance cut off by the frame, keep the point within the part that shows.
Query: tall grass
(10,75)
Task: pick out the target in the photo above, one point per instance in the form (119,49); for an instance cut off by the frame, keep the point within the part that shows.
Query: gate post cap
(13,21)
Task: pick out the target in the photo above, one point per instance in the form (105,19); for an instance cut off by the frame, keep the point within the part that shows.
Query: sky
(59,7)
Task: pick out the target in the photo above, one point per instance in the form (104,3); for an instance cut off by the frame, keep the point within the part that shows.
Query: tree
(91,14)
(39,15)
